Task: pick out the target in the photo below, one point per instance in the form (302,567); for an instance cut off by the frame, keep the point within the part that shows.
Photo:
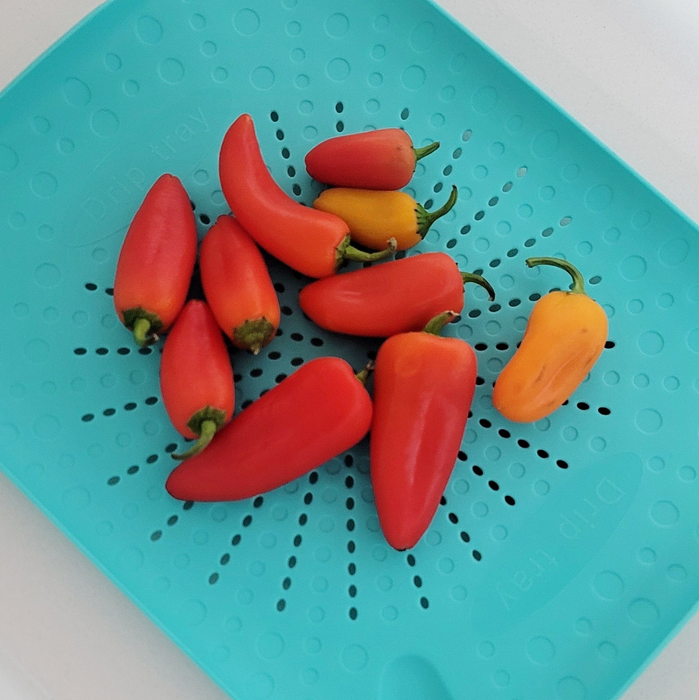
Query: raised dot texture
(413,77)
(643,612)
(76,92)
(104,123)
(541,650)
(571,688)
(8,158)
(262,78)
(44,184)
(337,25)
(652,343)
(608,585)
(545,144)
(171,70)
(664,513)
(270,646)
(599,198)
(633,267)
(648,420)
(354,658)
(246,21)
(338,69)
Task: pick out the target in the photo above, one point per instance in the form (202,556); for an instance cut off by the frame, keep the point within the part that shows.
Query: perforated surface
(562,555)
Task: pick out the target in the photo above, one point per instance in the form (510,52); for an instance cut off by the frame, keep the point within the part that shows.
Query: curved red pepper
(312,416)
(237,285)
(156,261)
(395,297)
(309,241)
(423,388)
(384,159)
(196,378)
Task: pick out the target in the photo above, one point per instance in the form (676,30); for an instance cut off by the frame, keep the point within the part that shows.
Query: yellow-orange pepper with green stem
(374,217)
(565,336)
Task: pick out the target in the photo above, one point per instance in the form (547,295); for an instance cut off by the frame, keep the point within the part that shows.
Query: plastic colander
(564,553)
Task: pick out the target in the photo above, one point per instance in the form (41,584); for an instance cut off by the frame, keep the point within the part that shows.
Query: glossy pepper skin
(312,416)
(563,339)
(311,242)
(156,261)
(237,286)
(196,378)
(394,297)
(423,388)
(384,159)
(375,217)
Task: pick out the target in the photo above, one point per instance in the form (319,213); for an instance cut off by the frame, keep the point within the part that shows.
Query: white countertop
(627,69)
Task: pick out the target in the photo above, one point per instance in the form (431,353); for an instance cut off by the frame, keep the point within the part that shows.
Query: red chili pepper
(423,388)
(384,159)
(237,286)
(156,261)
(396,297)
(196,378)
(312,416)
(309,241)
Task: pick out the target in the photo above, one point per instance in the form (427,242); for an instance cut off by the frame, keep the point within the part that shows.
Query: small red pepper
(312,416)
(309,241)
(237,286)
(423,388)
(156,261)
(384,159)
(196,378)
(395,297)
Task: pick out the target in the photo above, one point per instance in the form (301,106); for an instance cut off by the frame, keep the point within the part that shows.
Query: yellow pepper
(374,217)
(565,336)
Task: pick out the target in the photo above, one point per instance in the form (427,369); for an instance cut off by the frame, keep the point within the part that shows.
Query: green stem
(142,333)
(364,375)
(435,326)
(425,150)
(346,251)
(578,286)
(482,281)
(208,430)
(425,218)
(254,334)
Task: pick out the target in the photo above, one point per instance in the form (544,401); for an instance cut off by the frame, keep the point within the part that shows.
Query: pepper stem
(425,218)
(482,281)
(142,333)
(208,430)
(578,286)
(435,326)
(346,251)
(254,334)
(364,375)
(425,150)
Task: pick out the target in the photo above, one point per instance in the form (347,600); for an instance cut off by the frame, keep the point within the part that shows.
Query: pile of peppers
(423,382)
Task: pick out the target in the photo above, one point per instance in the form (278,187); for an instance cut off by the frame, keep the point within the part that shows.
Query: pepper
(196,378)
(395,297)
(375,217)
(311,242)
(423,388)
(563,339)
(384,159)
(156,261)
(312,416)
(237,286)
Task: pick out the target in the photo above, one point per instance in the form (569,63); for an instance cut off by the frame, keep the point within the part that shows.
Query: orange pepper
(376,217)
(564,338)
